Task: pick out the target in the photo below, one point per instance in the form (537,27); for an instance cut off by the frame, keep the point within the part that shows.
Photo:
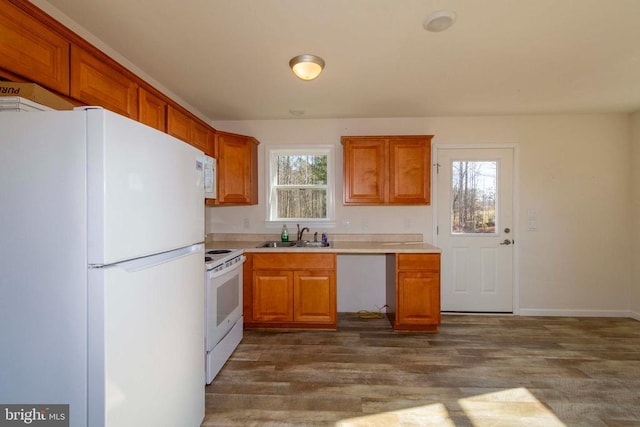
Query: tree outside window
(473,192)
(299,184)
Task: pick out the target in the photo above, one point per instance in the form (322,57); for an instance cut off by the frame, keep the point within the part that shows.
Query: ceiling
(229,58)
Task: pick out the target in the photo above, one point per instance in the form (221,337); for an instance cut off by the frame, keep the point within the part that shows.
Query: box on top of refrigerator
(35,93)
(17,103)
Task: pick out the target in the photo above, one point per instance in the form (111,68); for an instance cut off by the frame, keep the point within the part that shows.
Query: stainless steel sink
(303,244)
(276,244)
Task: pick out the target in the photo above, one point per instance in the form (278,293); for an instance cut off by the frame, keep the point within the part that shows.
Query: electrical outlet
(346,223)
(247,224)
(365,224)
(407,223)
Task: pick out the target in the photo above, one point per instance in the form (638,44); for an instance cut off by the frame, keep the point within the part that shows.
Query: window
(473,191)
(300,184)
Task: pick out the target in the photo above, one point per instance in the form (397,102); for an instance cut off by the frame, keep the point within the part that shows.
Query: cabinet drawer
(288,260)
(430,262)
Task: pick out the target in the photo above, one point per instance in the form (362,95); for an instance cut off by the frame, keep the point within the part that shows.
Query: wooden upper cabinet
(178,124)
(152,110)
(200,136)
(31,50)
(410,170)
(237,163)
(95,82)
(393,170)
(182,126)
(365,171)
(35,47)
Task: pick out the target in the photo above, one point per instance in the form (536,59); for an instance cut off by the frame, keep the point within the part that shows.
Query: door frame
(516,203)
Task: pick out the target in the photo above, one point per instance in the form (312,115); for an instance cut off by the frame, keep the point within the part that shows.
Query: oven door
(224,302)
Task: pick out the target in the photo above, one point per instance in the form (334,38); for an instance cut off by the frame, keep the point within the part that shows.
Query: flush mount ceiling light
(439,21)
(306,67)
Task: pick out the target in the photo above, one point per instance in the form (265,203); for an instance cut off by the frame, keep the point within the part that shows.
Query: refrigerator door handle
(157,259)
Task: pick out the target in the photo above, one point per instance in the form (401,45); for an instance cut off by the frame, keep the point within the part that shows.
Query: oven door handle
(214,274)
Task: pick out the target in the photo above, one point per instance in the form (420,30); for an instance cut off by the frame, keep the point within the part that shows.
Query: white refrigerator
(101,269)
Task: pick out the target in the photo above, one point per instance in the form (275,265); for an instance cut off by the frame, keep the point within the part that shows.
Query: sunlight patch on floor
(508,407)
(435,415)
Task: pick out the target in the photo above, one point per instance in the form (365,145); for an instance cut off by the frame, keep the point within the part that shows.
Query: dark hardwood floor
(478,371)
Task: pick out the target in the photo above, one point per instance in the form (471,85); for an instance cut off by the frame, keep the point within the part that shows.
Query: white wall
(635,210)
(574,170)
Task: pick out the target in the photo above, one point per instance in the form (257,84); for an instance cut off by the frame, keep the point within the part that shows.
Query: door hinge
(437,229)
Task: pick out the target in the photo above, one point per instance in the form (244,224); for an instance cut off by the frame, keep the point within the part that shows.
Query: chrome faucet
(301,231)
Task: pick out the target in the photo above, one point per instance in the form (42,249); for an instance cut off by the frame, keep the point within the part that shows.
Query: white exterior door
(475,228)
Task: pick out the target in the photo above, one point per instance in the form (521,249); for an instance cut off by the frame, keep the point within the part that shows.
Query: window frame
(270,190)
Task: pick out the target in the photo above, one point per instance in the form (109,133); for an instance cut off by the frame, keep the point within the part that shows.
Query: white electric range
(223,295)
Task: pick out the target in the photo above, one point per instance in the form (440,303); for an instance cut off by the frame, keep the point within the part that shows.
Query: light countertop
(343,243)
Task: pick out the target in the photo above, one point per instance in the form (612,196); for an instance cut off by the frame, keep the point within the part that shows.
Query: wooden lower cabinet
(314,297)
(272,296)
(413,291)
(290,291)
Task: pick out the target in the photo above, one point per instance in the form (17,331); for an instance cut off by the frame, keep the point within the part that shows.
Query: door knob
(506,242)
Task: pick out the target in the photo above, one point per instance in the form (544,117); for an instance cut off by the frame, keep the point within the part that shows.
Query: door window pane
(473,191)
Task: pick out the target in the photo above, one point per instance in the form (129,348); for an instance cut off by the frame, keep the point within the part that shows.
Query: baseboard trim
(577,313)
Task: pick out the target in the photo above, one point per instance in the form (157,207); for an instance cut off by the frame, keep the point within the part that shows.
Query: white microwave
(209,177)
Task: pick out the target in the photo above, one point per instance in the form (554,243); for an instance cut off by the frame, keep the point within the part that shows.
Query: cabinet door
(237,164)
(199,136)
(365,166)
(314,297)
(152,111)
(418,298)
(178,124)
(272,296)
(31,50)
(409,171)
(97,83)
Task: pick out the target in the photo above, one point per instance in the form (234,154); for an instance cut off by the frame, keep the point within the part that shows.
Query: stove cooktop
(219,259)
